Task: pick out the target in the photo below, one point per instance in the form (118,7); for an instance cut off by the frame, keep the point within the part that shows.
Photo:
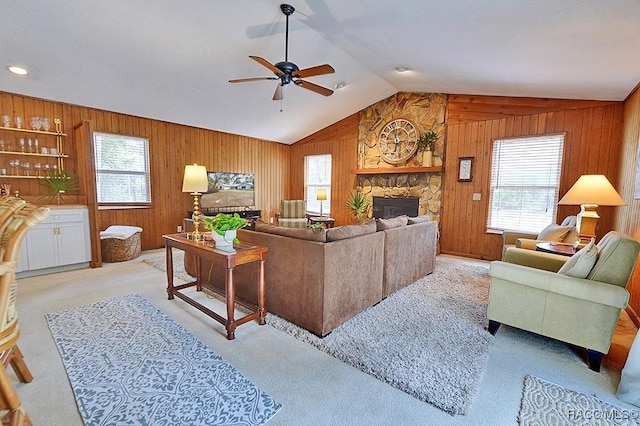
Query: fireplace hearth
(387,207)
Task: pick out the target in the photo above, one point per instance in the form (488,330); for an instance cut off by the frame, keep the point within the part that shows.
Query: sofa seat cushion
(394,222)
(581,263)
(310,234)
(350,231)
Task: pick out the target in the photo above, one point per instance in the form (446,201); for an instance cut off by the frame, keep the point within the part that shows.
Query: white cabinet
(61,242)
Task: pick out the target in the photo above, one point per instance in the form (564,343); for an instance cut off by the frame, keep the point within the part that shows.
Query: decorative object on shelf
(425,146)
(59,184)
(465,165)
(223,228)
(6,121)
(359,205)
(589,191)
(195,182)
(398,141)
(321,196)
(5,189)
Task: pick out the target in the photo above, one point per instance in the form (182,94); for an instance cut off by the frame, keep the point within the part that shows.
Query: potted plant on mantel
(223,228)
(359,204)
(425,146)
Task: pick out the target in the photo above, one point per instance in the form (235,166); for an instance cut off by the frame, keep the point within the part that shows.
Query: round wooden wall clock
(398,141)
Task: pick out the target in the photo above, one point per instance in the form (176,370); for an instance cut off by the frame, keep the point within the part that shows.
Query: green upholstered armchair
(292,214)
(580,304)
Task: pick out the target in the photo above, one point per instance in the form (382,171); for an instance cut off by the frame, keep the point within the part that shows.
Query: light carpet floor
(313,387)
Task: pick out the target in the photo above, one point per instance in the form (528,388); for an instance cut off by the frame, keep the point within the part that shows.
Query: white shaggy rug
(428,339)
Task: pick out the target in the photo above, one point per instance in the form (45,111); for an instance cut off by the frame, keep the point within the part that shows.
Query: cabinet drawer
(61,216)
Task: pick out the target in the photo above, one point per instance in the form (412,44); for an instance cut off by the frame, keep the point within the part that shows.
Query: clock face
(398,141)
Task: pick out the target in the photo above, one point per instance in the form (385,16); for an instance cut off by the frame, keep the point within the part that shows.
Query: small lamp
(321,196)
(589,191)
(195,182)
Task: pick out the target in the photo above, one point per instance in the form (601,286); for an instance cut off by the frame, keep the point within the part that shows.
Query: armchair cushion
(553,233)
(290,209)
(581,263)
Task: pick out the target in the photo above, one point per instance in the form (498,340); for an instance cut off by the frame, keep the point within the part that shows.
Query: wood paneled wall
(592,146)
(628,217)
(171,146)
(341,141)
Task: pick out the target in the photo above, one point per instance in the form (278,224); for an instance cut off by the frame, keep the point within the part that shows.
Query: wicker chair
(12,232)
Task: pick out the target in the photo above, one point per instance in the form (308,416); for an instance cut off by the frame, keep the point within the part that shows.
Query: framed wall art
(465,169)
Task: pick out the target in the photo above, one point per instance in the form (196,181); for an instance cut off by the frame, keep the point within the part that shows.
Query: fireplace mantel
(389,170)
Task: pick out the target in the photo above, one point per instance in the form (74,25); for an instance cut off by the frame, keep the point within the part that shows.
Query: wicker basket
(118,250)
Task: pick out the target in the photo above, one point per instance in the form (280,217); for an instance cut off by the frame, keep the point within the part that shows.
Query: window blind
(317,175)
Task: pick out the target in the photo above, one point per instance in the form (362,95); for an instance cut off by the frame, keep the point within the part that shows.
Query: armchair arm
(534,259)
(510,237)
(578,288)
(527,243)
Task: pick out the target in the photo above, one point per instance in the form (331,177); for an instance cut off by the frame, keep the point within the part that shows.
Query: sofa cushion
(394,222)
(310,234)
(581,263)
(553,232)
(350,231)
(418,219)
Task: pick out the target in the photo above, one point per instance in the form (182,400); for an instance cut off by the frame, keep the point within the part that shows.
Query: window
(525,176)
(317,175)
(122,169)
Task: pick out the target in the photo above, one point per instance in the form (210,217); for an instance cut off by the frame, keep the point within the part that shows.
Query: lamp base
(587,220)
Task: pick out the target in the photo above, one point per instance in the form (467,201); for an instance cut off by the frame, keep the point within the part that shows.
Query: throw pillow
(581,263)
(310,234)
(419,219)
(350,231)
(553,232)
(394,222)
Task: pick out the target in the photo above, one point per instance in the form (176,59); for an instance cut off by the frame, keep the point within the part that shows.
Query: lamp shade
(195,179)
(321,195)
(592,189)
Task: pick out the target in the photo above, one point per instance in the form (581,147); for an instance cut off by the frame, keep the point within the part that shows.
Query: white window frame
(525,180)
(128,171)
(317,175)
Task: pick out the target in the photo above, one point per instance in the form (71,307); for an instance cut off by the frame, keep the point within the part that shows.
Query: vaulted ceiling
(171,60)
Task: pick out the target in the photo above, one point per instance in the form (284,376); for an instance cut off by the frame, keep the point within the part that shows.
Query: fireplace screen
(385,208)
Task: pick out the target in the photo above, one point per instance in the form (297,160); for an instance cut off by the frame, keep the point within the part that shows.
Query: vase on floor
(427,158)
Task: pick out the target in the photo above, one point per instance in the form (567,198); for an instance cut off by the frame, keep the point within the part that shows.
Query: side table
(563,249)
(325,221)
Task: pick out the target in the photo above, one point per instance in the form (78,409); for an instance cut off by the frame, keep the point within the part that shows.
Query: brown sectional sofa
(319,278)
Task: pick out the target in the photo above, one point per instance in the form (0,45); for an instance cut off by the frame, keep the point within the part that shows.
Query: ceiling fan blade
(266,64)
(242,80)
(279,93)
(314,87)
(319,70)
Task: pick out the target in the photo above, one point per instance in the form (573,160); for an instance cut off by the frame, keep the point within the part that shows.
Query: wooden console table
(227,259)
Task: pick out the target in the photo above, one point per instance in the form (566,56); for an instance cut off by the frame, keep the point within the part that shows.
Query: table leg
(231,304)
(262,305)
(169,260)
(198,275)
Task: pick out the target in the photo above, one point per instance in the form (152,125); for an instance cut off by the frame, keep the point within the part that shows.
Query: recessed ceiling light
(17,70)
(340,85)
(402,69)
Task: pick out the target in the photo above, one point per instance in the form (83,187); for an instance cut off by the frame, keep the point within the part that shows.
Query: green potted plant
(59,183)
(223,227)
(425,145)
(359,204)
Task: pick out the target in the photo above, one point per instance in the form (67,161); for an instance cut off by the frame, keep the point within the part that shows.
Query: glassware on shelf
(15,164)
(46,124)
(37,167)
(26,166)
(6,121)
(35,122)
(44,150)
(36,146)
(18,121)
(30,145)
(2,147)
(21,145)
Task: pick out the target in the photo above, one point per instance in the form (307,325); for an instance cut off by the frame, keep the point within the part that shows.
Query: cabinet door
(42,247)
(23,257)
(71,243)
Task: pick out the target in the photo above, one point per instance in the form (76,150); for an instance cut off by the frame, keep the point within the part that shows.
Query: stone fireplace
(387,207)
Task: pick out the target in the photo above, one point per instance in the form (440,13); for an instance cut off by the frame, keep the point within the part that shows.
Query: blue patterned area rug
(130,364)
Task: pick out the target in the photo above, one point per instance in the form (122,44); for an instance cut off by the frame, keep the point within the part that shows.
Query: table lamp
(589,191)
(321,196)
(195,182)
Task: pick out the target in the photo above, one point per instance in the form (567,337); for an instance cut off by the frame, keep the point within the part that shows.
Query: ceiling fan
(288,72)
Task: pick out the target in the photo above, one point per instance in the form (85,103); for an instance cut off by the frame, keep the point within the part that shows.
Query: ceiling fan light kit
(288,72)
